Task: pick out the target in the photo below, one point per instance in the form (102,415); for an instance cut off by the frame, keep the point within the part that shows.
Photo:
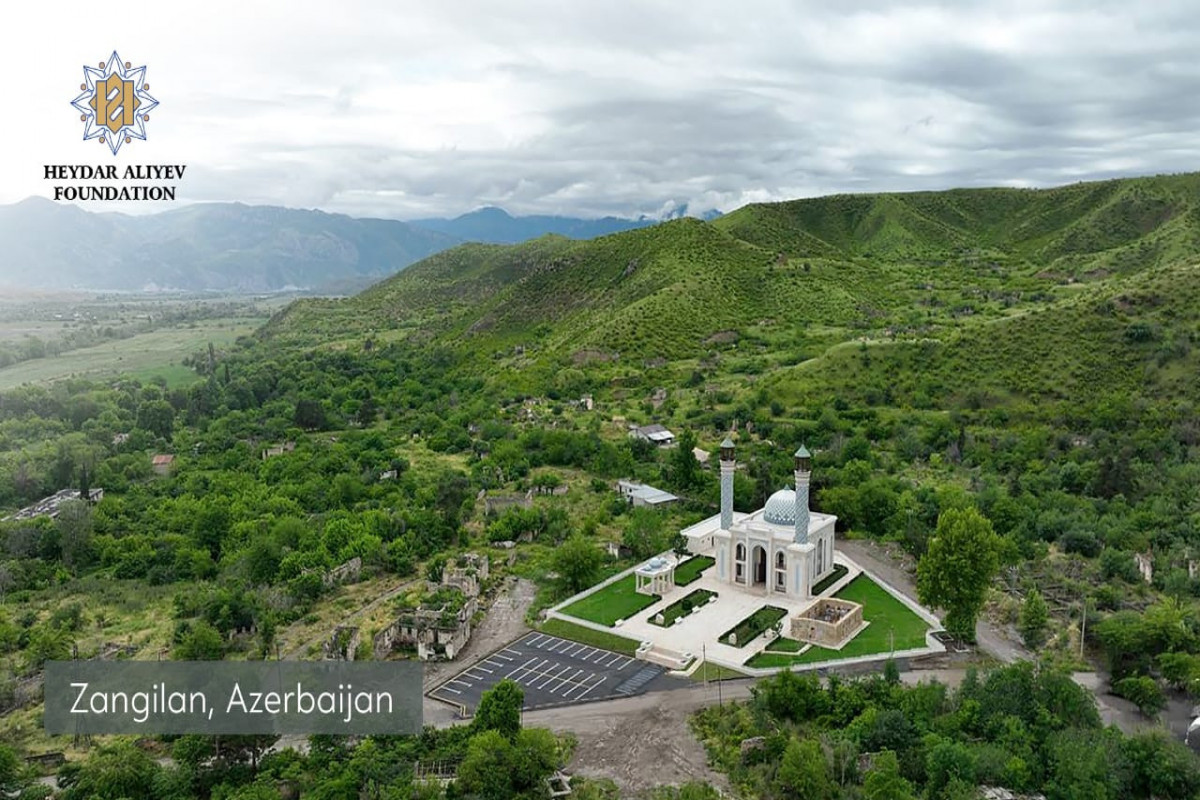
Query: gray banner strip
(233,697)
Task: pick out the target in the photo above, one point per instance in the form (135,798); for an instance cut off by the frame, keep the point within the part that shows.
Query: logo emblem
(115,104)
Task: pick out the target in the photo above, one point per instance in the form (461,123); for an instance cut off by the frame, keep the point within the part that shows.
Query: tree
(946,764)
(803,772)
(577,560)
(495,768)
(156,417)
(500,709)
(644,533)
(310,414)
(1033,619)
(121,770)
(199,642)
(48,643)
(958,568)
(679,544)
(74,523)
(685,470)
(884,781)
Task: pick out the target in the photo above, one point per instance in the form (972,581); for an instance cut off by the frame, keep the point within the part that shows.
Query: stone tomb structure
(829,622)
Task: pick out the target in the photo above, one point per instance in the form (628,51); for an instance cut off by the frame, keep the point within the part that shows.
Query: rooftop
(647,494)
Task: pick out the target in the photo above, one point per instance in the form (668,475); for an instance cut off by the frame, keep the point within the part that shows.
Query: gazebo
(656,576)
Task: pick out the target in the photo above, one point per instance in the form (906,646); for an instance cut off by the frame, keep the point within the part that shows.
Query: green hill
(1035,292)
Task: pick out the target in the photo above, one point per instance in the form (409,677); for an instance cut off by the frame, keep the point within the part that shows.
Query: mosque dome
(781,508)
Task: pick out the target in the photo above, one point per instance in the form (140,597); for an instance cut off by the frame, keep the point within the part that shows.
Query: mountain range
(1091,287)
(236,247)
(495,225)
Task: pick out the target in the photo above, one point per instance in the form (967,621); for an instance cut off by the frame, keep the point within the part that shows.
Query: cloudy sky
(404,109)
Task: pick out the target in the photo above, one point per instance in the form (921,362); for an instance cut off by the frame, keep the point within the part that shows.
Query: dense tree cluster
(1019,727)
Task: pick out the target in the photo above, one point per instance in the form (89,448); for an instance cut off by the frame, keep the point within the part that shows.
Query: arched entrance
(759,556)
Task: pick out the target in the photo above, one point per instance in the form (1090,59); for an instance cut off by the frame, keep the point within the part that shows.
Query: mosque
(783,549)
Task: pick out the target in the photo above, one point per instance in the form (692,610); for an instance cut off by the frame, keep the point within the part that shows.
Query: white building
(640,494)
(655,434)
(781,549)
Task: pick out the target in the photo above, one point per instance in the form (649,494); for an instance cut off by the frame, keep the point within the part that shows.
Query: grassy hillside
(1035,292)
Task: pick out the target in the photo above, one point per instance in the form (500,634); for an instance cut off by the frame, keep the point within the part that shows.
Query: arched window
(741,552)
(780,561)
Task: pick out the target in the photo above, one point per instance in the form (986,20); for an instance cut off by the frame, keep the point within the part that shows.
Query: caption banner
(223,697)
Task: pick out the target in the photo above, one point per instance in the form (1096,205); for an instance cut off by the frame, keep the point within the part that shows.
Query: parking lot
(552,672)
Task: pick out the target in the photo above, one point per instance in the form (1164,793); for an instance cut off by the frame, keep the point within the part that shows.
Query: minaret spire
(803,473)
(728,465)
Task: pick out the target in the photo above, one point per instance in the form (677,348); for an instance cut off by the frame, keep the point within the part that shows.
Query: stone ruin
(466,574)
(439,631)
(342,645)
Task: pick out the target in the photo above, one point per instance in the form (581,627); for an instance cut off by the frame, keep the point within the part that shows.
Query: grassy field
(146,356)
(690,570)
(618,600)
(893,627)
(578,633)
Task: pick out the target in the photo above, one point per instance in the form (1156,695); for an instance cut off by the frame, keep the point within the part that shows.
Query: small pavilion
(656,576)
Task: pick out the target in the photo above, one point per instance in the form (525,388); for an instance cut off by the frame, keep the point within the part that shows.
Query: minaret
(727,468)
(803,473)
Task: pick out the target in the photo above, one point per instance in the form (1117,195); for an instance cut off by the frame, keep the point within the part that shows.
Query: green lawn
(752,626)
(690,570)
(578,633)
(618,600)
(891,621)
(683,605)
(714,672)
(785,646)
(839,572)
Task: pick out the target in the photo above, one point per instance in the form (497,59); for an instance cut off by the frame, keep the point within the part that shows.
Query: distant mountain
(497,226)
(217,246)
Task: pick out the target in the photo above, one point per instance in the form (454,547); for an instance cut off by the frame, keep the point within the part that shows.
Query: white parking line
(448,689)
(590,652)
(585,691)
(551,676)
(521,668)
(502,656)
(563,681)
(470,674)
(534,638)
(482,667)
(460,682)
(533,672)
(600,656)
(583,687)
(563,643)
(495,664)
(574,650)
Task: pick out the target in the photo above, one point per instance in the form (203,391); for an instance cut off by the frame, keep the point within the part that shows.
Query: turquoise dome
(781,508)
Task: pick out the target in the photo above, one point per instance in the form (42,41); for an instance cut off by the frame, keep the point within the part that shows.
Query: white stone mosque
(781,549)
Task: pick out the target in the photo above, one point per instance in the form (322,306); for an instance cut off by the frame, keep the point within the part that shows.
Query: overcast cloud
(588,108)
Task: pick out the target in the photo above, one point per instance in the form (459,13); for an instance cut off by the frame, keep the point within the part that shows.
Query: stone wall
(828,622)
